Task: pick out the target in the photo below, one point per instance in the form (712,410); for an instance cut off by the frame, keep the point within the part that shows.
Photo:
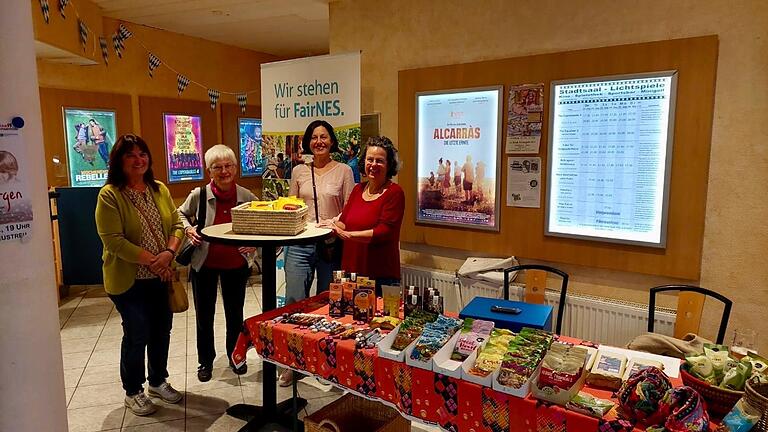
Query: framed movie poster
(89,136)
(458,142)
(183,147)
(251,164)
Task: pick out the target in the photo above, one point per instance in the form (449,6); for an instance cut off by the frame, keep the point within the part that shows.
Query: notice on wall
(524,118)
(458,143)
(610,154)
(524,182)
(297,92)
(15,199)
(184,147)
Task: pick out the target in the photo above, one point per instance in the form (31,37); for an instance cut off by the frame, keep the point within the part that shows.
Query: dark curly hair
(116,176)
(305,148)
(393,163)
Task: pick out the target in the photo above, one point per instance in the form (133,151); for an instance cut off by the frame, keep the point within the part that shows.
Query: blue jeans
(301,263)
(147,324)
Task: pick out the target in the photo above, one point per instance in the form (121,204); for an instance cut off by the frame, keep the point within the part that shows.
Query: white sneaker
(165,392)
(140,404)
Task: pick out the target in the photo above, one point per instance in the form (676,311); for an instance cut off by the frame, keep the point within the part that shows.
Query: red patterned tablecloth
(454,404)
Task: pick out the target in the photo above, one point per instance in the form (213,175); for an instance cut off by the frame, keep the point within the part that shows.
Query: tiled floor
(90,339)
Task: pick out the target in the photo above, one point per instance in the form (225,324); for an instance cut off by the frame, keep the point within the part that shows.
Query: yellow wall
(406,34)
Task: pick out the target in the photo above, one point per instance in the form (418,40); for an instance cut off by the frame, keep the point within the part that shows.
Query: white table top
(223,233)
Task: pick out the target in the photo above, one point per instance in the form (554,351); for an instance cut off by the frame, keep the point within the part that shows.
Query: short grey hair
(219,152)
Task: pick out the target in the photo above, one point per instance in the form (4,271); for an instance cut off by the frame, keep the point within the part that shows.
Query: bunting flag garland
(46,10)
(154,62)
(118,44)
(124,32)
(104,50)
(181,83)
(63,4)
(213,95)
(242,99)
(83,33)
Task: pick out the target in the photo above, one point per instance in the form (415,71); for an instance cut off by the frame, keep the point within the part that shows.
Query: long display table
(422,395)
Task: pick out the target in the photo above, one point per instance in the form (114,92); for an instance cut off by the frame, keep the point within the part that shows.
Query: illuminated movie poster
(458,142)
(250,147)
(89,135)
(183,145)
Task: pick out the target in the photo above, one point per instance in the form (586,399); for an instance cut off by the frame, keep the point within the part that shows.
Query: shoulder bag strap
(202,208)
(314,191)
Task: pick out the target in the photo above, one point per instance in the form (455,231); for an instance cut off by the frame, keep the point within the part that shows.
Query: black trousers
(204,288)
(147,324)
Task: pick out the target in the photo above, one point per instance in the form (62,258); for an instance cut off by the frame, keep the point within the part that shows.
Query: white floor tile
(213,401)
(214,423)
(171,426)
(165,413)
(77,345)
(94,375)
(72,377)
(76,360)
(105,357)
(99,418)
(81,332)
(96,395)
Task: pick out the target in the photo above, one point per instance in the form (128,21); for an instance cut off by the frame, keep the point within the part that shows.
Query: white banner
(296,92)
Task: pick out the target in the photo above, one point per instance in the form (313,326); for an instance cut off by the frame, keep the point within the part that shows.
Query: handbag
(328,249)
(184,257)
(177,292)
(177,295)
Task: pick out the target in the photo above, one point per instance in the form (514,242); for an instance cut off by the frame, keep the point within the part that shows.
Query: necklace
(378,191)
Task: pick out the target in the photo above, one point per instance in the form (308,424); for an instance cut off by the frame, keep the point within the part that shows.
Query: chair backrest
(563,287)
(727,304)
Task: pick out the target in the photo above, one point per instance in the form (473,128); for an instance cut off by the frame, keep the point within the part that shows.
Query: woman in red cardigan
(370,223)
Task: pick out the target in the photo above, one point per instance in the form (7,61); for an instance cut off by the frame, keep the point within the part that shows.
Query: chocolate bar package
(391,294)
(432,301)
(349,292)
(336,304)
(364,302)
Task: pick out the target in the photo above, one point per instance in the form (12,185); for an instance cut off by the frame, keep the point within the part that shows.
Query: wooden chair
(689,309)
(536,285)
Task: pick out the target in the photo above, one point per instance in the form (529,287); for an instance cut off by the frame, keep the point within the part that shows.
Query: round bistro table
(270,411)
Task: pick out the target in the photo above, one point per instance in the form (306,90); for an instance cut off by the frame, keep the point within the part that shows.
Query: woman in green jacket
(141,231)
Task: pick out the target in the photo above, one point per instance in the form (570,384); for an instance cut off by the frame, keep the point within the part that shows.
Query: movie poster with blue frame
(251,155)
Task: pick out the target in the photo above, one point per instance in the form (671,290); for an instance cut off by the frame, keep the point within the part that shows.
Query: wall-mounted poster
(610,154)
(458,141)
(524,117)
(89,135)
(251,156)
(16,203)
(184,147)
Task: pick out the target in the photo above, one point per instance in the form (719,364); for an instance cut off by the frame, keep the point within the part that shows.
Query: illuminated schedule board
(610,152)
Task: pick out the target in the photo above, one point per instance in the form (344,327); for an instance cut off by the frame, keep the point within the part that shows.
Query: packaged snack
(363,304)
(434,336)
(701,367)
(411,328)
(607,371)
(736,377)
(411,300)
(587,404)
(635,365)
(742,418)
(718,355)
(759,364)
(432,301)
(391,294)
(562,368)
(490,357)
(473,334)
(338,275)
(363,281)
(384,322)
(349,293)
(336,303)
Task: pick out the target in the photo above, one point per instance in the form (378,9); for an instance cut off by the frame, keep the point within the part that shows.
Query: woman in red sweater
(370,223)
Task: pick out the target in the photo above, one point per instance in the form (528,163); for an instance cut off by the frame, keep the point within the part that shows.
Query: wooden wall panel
(52,104)
(151,111)
(230,115)
(522,229)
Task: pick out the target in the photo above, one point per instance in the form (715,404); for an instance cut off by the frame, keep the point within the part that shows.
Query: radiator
(608,321)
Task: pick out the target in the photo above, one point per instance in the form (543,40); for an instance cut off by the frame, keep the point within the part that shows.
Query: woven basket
(269,222)
(720,401)
(352,414)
